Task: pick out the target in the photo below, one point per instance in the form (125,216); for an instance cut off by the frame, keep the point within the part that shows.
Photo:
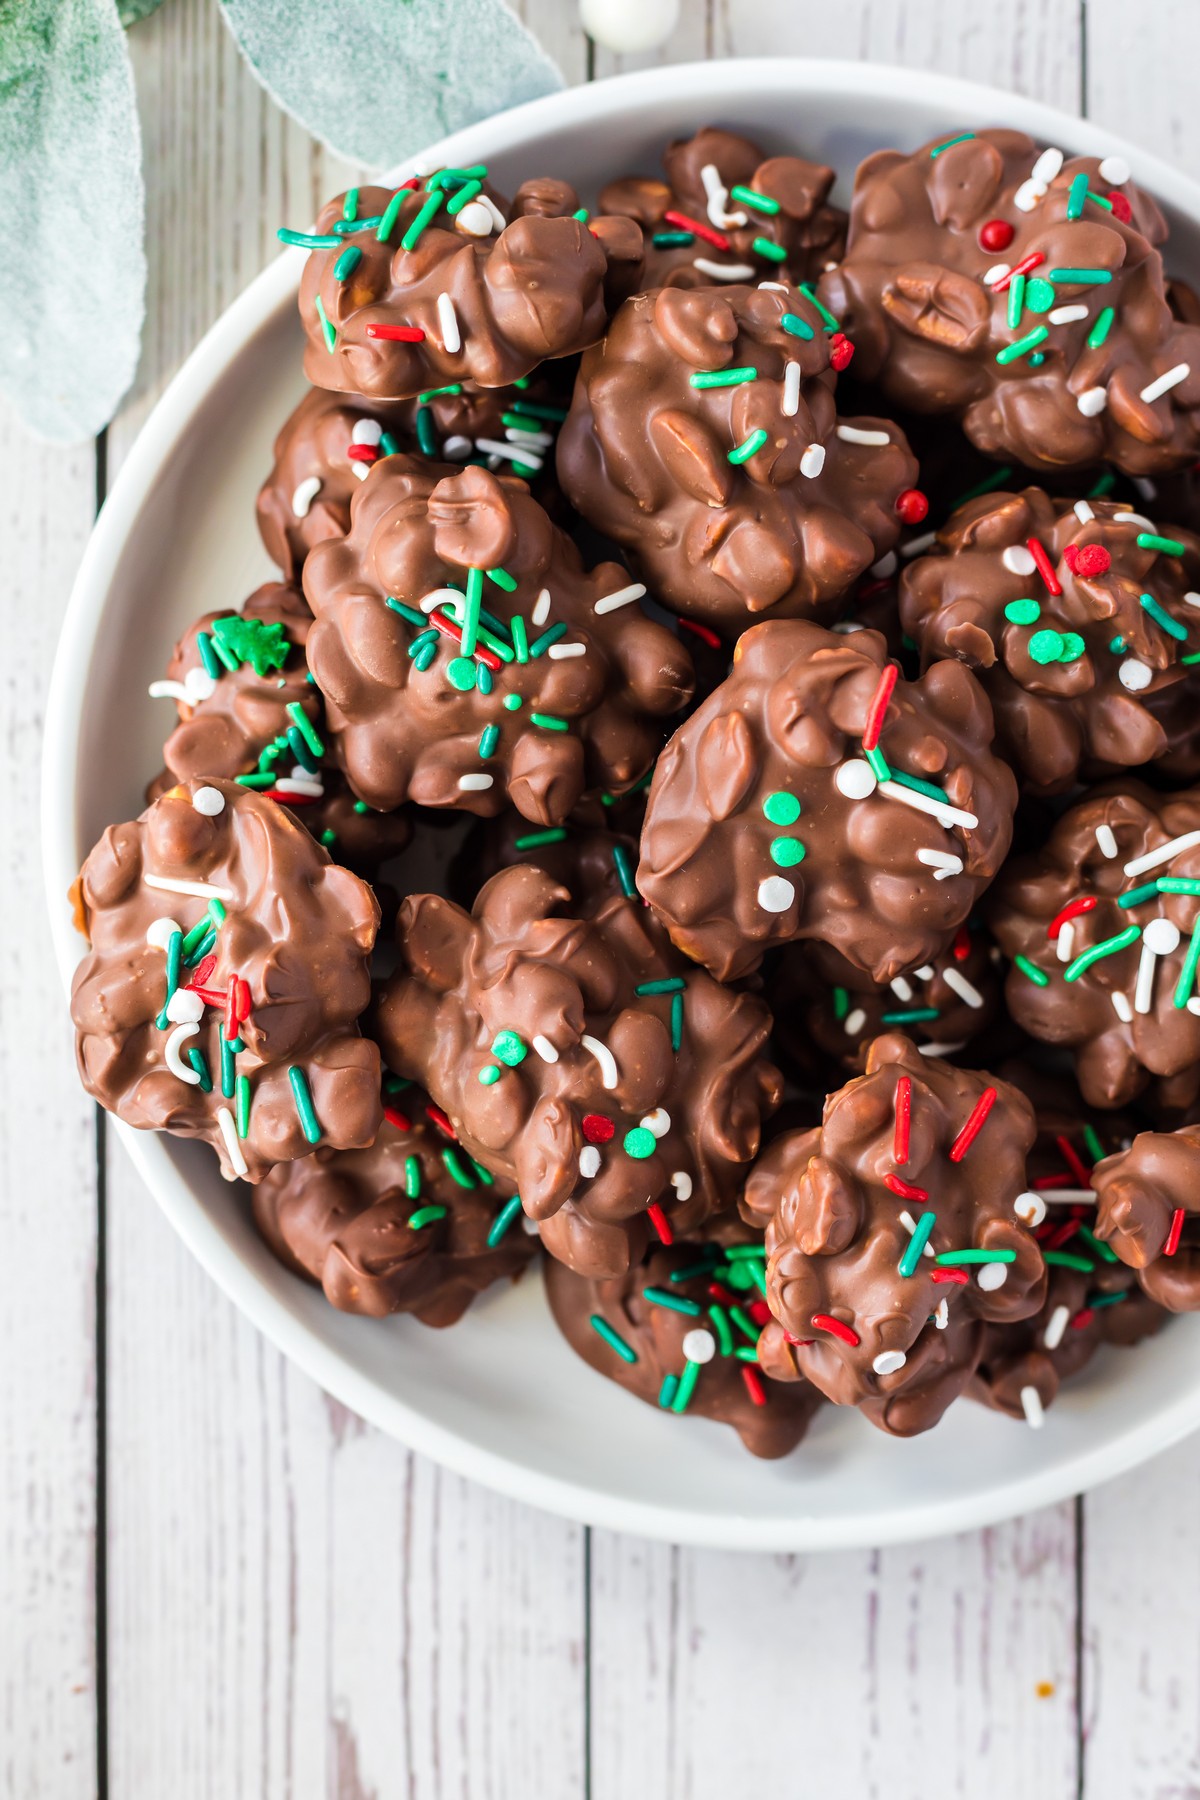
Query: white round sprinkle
(306,492)
(185,1007)
(160,933)
(813,461)
(657,1123)
(1093,400)
(198,685)
(474,220)
(856,779)
(1161,937)
(209,800)
(589,1161)
(681,1181)
(1018,560)
(456,448)
(1031,1404)
(1116,170)
(1030,1208)
(699,1346)
(888,1361)
(366,431)
(1047,166)
(992,1275)
(1134,675)
(775,894)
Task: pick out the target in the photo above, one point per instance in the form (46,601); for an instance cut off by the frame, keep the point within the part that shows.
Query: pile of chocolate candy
(794,620)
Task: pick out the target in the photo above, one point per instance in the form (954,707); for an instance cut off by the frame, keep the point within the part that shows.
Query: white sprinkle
(918,545)
(1191,598)
(775,894)
(942,862)
(1122,1007)
(296,784)
(448,598)
(925,972)
(232,1148)
(202,890)
(847,627)
(536,440)
(305,493)
(856,779)
(557,652)
(1031,1405)
(718,199)
(475,220)
(475,784)
(1055,1326)
(1083,512)
(887,565)
(657,1123)
(1106,841)
(366,431)
(1018,560)
(813,460)
(1145,487)
(456,448)
(1159,938)
(945,814)
(185,1007)
(1134,675)
(996,273)
(498,218)
(1092,401)
(528,1226)
(1028,195)
(941,1317)
(992,1275)
(1164,853)
(1165,383)
(1047,166)
(622,597)
(589,1161)
(1030,1208)
(545,1048)
(197,685)
(888,1361)
(681,1181)
(514,452)
(160,933)
(605,1057)
(1065,942)
(957,982)
(209,801)
(910,1225)
(361,470)
(1066,315)
(855,1022)
(1116,170)
(853,434)
(1132,518)
(791,405)
(777,287)
(723,271)
(902,989)
(699,1345)
(171,1053)
(1193,1004)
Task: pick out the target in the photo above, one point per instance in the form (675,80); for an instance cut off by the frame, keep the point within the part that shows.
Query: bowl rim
(227,338)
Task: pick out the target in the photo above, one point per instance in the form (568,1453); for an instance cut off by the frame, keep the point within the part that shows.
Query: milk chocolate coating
(545,993)
(912,295)
(795,220)
(645,456)
(1074,677)
(543,286)
(779,741)
(585,717)
(656,1334)
(591,862)
(332,439)
(298,932)
(342,1219)
(836,1236)
(1139,1191)
(1119,1049)
(229,720)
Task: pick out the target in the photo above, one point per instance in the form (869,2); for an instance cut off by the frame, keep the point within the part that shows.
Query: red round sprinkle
(835,1328)
(596,1128)
(1121,208)
(841,351)
(996,234)
(1091,560)
(912,506)
(760,1312)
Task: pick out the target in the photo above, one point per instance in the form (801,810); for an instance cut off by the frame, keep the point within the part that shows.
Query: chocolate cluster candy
(1021,291)
(1075,619)
(441,281)
(468,658)
(227,969)
(818,795)
(617,1089)
(726,213)
(407,1225)
(248,712)
(1100,929)
(1148,1199)
(704,439)
(661,1331)
(894,1230)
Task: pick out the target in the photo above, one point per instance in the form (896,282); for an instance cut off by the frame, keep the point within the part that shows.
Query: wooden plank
(297,1606)
(48,1188)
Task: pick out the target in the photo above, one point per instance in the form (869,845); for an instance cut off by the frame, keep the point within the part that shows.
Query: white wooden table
(215,1581)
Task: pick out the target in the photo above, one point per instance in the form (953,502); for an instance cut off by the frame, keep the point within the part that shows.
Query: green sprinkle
(1077,195)
(388,444)
(1046,646)
(1073,647)
(421,640)
(460,673)
(917,1243)
(1109,947)
(1161,617)
(427,214)
(541,644)
(488,739)
(878,763)
(1082,277)
(669,984)
(687,1387)
(457,1169)
(227,1066)
(772,252)
(406,612)
(442,177)
(489,1075)
(1150,540)
(1187,975)
(304,726)
(426,1215)
(302,1097)
(502,579)
(746,1252)
(510,1047)
(841,1003)
(427,440)
(328,329)
(712,1258)
(242,1092)
(716,1313)
(717,378)
(1030,341)
(985,487)
(914,1015)
(624,868)
(918,786)
(1031,971)
(1039,295)
(1022,612)
(810,294)
(744,1323)
(453,387)
(795,326)
(639,1143)
(199,1062)
(549,721)
(347,262)
(1104,485)
(1186,661)
(613,1339)
(1100,200)
(463,197)
(1037,359)
(328,837)
(1016,301)
(208,656)
(533,840)
(1095,1148)
(412,1178)
(504,1219)
(751,197)
(747,1355)
(672,240)
(1063,1259)
(748,447)
(556,414)
(781,808)
(1117,645)
(474,599)
(300,750)
(1095,1300)
(483,679)
(676,1021)
(308,240)
(786,852)
(484,1175)
(390,214)
(174,959)
(520,637)
(964,137)
(1104,1251)
(512,703)
(952,1258)
(674,1302)
(1138,896)
(1101,329)
(667,1391)
(1177,884)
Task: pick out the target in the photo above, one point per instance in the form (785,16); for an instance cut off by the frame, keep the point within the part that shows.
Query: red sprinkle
(1091,560)
(753,1381)
(212,996)
(229,1029)
(1082,1319)
(661,1223)
(974,1125)
(441,1121)
(703,632)
(1073,1160)
(202,971)
(760,1312)
(877,710)
(912,506)
(1176,1231)
(397,334)
(241,999)
(1071,910)
(717,1292)
(798,1343)
(444,623)
(996,234)
(1045,567)
(716,238)
(1022,268)
(286,799)
(596,1128)
(903,1121)
(835,1328)
(367,453)
(962,943)
(1121,208)
(841,351)
(957,1277)
(1062,1234)
(395,1117)
(905,1189)
(1052,1181)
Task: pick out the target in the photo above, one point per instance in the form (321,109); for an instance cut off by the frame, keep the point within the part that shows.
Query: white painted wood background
(216,1582)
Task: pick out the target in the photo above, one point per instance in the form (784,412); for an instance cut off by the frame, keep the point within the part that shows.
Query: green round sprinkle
(781,808)
(1038,357)
(1039,295)
(512,703)
(460,673)
(1046,646)
(510,1048)
(1073,647)
(1117,645)
(787,852)
(426,1215)
(640,1143)
(1022,612)
(489,1075)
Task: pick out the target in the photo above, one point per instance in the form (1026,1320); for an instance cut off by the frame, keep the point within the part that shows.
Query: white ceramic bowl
(501,1398)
